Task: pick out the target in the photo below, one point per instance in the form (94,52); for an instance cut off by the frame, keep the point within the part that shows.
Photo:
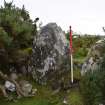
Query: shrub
(93,86)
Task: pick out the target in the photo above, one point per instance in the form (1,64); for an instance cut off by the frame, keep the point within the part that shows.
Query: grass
(77,74)
(26,101)
(44,96)
(75,97)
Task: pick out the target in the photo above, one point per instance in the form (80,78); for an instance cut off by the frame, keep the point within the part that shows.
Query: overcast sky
(85,16)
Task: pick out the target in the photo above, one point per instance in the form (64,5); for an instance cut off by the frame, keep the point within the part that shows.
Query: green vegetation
(92,86)
(44,96)
(17,31)
(25,101)
(75,97)
(82,44)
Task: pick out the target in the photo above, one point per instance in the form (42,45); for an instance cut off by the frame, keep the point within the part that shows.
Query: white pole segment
(71,68)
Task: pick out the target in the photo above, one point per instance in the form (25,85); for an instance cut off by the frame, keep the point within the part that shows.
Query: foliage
(81,44)
(90,90)
(17,31)
(82,52)
(92,86)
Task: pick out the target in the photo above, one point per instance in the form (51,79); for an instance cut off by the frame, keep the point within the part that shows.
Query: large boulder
(94,57)
(50,52)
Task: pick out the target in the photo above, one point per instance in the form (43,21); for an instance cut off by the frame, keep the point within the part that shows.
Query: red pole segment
(70,40)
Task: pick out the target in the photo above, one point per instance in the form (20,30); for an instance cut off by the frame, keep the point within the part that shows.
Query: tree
(17,31)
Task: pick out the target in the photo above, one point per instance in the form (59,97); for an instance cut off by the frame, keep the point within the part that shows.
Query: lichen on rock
(94,57)
(50,52)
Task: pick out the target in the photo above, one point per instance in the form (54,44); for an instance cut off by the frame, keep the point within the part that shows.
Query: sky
(85,16)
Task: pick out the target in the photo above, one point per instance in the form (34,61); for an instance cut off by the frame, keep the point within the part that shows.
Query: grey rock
(26,87)
(94,57)
(50,52)
(10,86)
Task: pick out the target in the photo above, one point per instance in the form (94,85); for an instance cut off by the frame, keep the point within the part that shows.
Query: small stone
(34,91)
(65,101)
(10,86)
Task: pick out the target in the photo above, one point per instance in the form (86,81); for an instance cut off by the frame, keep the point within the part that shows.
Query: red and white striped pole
(71,56)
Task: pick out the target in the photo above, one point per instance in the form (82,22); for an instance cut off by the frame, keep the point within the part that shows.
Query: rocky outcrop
(50,52)
(94,57)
